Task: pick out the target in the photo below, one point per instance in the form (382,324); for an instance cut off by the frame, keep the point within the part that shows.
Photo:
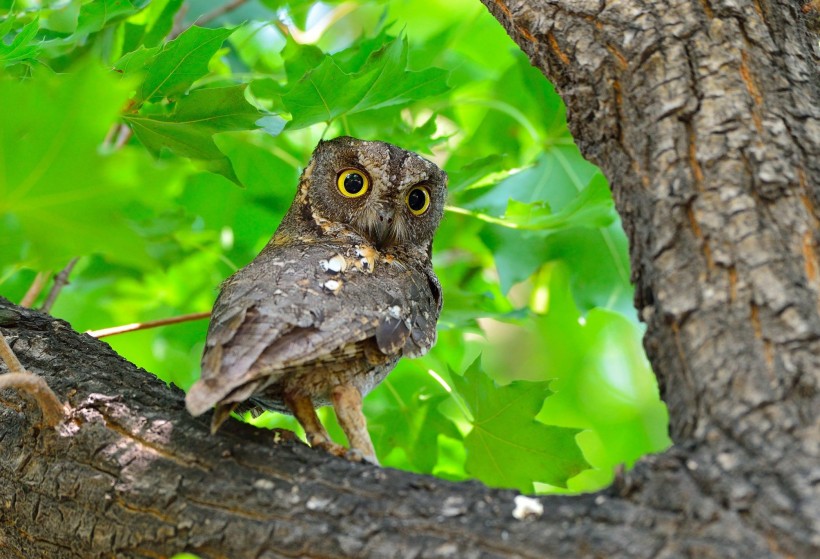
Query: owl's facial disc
(391,197)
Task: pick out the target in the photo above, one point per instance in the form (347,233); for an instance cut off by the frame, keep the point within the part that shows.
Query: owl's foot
(330,447)
(356,455)
(352,454)
(347,402)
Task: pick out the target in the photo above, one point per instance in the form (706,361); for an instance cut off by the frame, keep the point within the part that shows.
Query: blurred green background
(164,155)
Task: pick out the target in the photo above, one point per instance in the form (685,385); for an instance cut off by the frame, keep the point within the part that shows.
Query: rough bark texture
(705,116)
(131,474)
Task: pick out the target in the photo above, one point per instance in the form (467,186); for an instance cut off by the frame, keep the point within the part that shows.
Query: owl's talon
(356,455)
(331,448)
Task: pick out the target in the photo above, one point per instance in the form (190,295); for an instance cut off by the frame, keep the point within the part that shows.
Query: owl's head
(390,196)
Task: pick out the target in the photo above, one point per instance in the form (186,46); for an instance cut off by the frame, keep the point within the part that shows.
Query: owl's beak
(384,231)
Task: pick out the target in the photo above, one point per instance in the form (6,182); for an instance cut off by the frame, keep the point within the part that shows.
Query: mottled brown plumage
(343,290)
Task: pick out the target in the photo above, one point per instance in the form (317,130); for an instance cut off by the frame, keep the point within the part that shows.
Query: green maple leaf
(180,63)
(328,91)
(189,130)
(61,195)
(22,47)
(507,447)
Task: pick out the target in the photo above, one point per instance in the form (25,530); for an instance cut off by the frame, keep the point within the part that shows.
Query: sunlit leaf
(327,91)
(188,130)
(21,47)
(163,23)
(58,191)
(180,63)
(507,447)
(96,15)
(406,417)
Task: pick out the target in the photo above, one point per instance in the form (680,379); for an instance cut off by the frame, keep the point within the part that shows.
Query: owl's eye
(418,200)
(352,183)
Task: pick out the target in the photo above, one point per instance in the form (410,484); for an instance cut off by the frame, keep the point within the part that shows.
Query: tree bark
(705,116)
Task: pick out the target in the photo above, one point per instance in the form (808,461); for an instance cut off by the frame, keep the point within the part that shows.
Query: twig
(59,282)
(328,20)
(146,325)
(34,291)
(7,354)
(123,135)
(220,11)
(179,23)
(109,136)
(29,383)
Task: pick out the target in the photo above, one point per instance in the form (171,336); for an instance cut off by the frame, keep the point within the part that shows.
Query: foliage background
(164,153)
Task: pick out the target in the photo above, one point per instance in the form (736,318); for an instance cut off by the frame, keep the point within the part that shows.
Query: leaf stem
(133,327)
(457,398)
(498,220)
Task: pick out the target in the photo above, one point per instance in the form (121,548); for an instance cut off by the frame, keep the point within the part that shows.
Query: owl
(341,292)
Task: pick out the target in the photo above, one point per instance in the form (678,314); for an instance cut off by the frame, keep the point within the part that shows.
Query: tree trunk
(705,116)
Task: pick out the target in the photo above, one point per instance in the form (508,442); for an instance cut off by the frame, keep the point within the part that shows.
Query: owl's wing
(282,310)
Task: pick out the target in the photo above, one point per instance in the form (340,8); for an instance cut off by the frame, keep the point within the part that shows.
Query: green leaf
(591,208)
(299,59)
(180,63)
(530,199)
(96,15)
(188,131)
(163,23)
(59,193)
(62,18)
(507,447)
(404,415)
(328,92)
(21,47)
(136,60)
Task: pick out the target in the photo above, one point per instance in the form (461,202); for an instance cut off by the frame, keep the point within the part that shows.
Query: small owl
(341,292)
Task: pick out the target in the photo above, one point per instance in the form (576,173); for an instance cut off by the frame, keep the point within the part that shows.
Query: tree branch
(724,253)
(60,281)
(34,289)
(219,11)
(114,330)
(146,479)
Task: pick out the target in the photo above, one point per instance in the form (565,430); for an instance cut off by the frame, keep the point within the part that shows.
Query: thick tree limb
(131,474)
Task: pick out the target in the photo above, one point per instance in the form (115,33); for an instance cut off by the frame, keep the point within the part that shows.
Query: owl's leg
(347,402)
(305,414)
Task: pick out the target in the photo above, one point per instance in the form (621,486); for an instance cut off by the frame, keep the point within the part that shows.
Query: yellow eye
(418,200)
(352,183)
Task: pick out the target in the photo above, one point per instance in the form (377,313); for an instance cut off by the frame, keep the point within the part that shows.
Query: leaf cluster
(162,145)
